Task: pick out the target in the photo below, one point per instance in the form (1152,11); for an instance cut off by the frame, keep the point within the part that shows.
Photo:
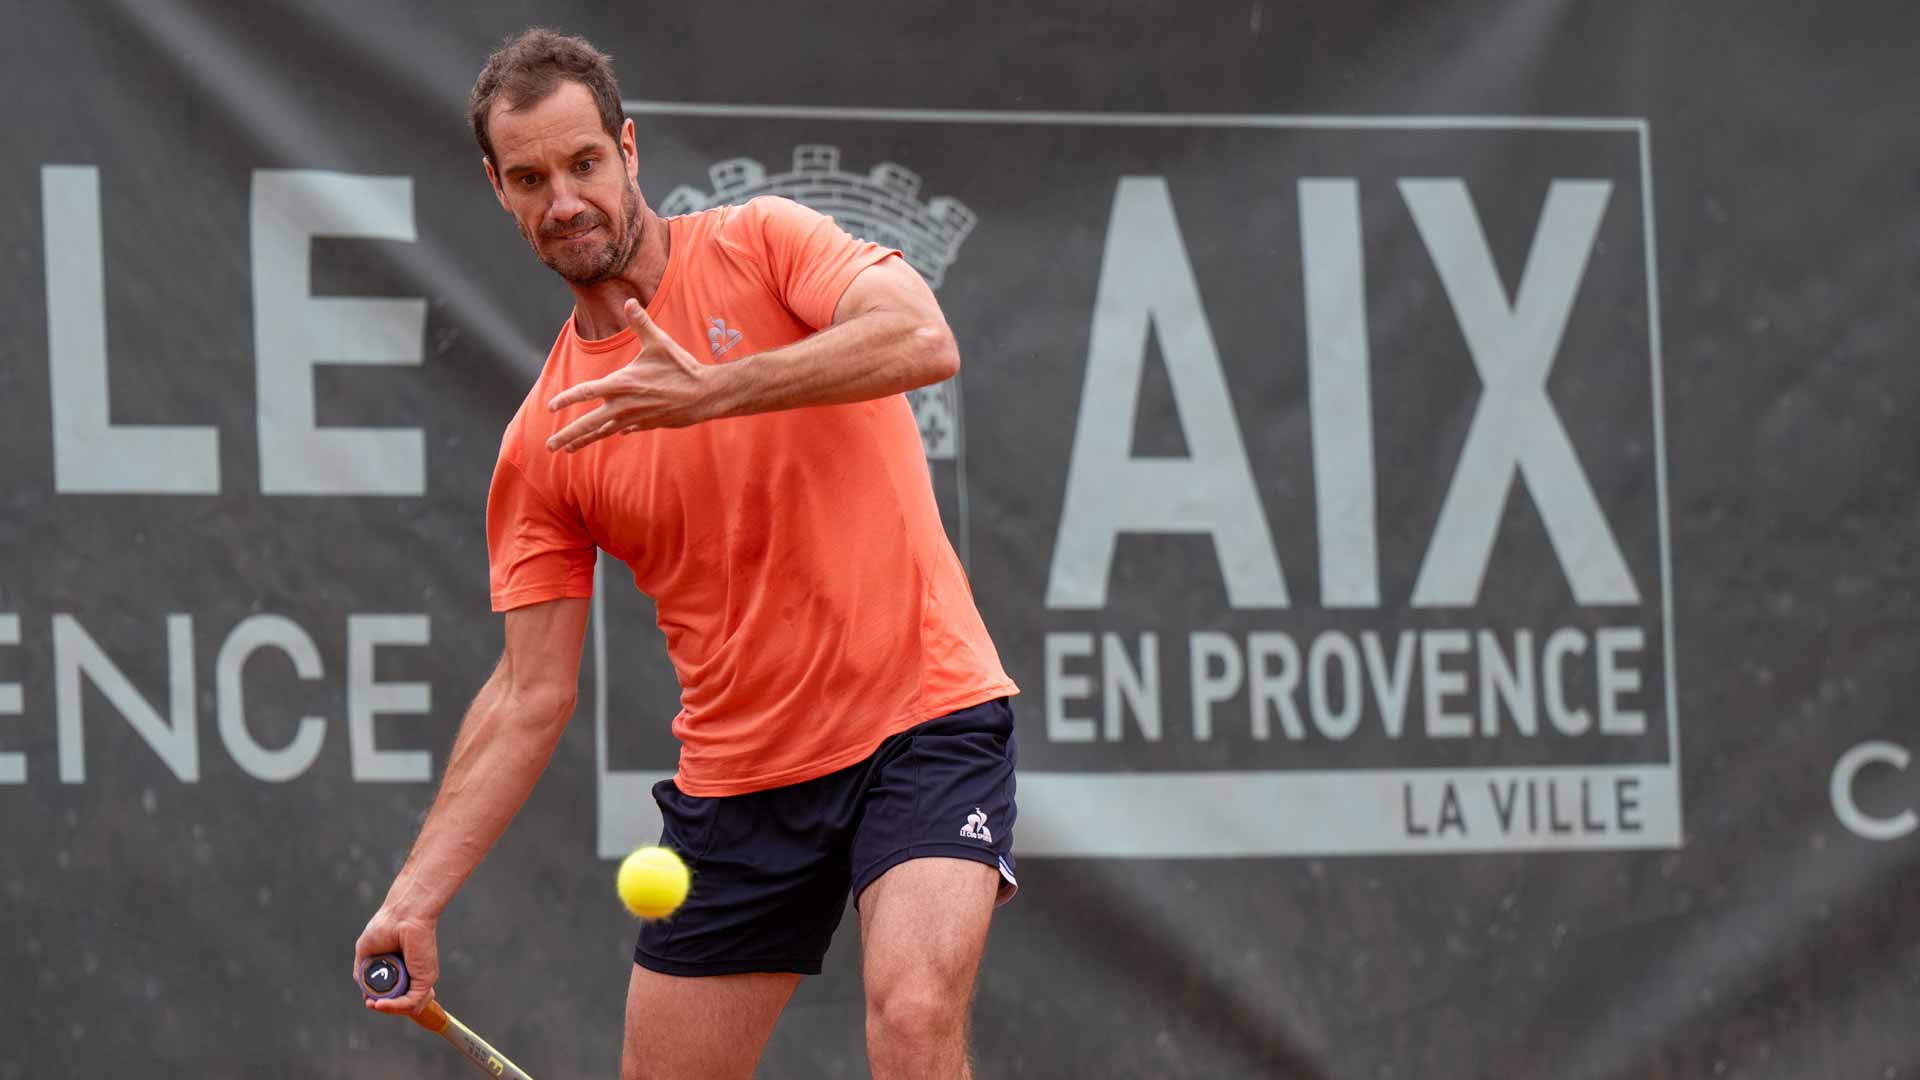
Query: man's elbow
(543,705)
(556,706)
(939,353)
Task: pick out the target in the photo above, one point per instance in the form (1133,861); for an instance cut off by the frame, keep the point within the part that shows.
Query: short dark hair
(532,64)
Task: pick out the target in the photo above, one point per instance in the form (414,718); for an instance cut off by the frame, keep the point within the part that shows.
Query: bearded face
(567,183)
(591,247)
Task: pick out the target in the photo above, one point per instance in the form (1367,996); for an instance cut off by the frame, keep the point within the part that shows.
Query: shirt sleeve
(809,258)
(535,551)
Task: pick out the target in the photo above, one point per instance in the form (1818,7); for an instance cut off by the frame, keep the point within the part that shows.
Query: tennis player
(723,412)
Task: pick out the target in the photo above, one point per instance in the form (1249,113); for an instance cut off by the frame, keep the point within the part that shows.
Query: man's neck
(599,308)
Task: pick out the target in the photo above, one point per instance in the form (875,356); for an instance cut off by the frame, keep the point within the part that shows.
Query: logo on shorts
(720,337)
(976,827)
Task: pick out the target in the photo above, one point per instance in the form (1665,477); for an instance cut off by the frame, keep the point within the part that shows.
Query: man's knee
(919,1013)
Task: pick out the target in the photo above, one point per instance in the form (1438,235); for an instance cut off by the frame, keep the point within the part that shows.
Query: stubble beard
(611,258)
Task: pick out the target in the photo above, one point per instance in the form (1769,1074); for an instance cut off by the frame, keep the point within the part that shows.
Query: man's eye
(583,165)
(529,180)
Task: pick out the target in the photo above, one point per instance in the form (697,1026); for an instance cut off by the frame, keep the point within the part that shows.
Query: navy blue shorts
(772,869)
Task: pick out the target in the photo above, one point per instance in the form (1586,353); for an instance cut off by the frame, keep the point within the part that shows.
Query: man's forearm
(871,356)
(504,745)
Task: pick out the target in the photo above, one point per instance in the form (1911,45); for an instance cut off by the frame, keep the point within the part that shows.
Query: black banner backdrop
(1444,478)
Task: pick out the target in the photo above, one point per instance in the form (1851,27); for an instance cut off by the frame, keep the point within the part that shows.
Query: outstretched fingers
(586,430)
(631,398)
(591,390)
(643,324)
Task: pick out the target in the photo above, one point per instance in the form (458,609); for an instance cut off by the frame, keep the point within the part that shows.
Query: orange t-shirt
(811,603)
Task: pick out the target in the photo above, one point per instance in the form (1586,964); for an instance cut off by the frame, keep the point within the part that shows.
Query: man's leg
(923,926)
(696,1028)
(769,887)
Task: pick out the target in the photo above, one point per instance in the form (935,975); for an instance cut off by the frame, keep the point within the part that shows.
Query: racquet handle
(386,977)
(383,976)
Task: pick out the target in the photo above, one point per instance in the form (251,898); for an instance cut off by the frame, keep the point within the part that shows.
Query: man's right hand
(415,941)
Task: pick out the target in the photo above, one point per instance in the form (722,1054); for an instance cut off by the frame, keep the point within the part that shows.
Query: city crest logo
(882,205)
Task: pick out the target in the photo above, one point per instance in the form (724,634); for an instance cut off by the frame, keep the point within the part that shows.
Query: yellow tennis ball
(652,882)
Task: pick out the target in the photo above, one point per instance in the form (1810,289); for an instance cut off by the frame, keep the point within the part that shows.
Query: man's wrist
(408,902)
(721,396)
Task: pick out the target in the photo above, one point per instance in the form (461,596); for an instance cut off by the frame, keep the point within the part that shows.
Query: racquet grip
(433,1018)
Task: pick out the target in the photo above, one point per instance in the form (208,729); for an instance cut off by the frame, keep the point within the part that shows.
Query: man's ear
(629,149)
(493,180)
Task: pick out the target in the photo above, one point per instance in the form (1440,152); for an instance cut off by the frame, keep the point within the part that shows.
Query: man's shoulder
(514,437)
(733,240)
(758,208)
(761,219)
(531,420)
(713,220)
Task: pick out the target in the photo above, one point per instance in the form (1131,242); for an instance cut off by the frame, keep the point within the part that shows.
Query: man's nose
(567,203)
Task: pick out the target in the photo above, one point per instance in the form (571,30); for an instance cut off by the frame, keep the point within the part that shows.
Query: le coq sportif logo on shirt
(719,337)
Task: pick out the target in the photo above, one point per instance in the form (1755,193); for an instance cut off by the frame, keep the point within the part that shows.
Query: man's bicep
(810,260)
(889,285)
(543,645)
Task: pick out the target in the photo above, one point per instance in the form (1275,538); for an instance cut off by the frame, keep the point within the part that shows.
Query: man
(844,724)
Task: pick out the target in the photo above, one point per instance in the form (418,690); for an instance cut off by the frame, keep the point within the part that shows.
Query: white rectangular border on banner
(1232,814)
(1222,814)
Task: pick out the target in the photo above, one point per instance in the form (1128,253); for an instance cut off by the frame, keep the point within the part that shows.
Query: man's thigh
(712,1026)
(943,789)
(927,919)
(769,879)
(769,882)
